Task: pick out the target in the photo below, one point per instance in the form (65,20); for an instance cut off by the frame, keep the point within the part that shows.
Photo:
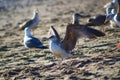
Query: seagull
(109,10)
(32,22)
(112,5)
(115,16)
(95,21)
(62,48)
(98,21)
(30,41)
(110,17)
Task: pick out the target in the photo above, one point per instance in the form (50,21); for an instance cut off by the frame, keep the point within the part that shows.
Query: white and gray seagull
(115,16)
(30,41)
(31,22)
(63,48)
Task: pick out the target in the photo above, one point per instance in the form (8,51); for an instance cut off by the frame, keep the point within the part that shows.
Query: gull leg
(102,28)
(29,51)
(59,63)
(33,32)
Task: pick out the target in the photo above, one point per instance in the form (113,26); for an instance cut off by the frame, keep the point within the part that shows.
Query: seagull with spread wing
(63,48)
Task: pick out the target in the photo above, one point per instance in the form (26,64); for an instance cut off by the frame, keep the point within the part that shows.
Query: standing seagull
(98,21)
(63,48)
(30,41)
(32,22)
(115,16)
(110,17)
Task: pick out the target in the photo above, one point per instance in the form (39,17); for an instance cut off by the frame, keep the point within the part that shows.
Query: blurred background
(98,59)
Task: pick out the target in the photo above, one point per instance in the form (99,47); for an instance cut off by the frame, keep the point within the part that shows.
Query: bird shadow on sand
(111,61)
(101,45)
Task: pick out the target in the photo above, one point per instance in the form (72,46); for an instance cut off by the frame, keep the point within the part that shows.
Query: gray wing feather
(34,43)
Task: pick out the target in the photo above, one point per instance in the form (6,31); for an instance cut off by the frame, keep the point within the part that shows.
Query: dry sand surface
(97,59)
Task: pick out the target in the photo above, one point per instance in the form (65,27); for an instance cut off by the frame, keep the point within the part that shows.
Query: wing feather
(54,32)
(90,32)
(76,31)
(34,43)
(70,39)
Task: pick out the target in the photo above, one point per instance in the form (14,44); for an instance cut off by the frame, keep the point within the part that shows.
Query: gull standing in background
(110,17)
(32,22)
(115,16)
(30,41)
(98,21)
(111,8)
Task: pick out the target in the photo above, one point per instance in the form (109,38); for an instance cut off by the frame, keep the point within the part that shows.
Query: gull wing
(70,39)
(54,32)
(74,32)
(87,32)
(90,32)
(34,43)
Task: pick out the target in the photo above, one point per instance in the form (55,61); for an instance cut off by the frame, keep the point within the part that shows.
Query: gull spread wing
(90,32)
(74,31)
(54,32)
(70,39)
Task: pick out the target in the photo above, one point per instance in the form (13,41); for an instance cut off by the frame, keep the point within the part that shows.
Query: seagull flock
(62,48)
